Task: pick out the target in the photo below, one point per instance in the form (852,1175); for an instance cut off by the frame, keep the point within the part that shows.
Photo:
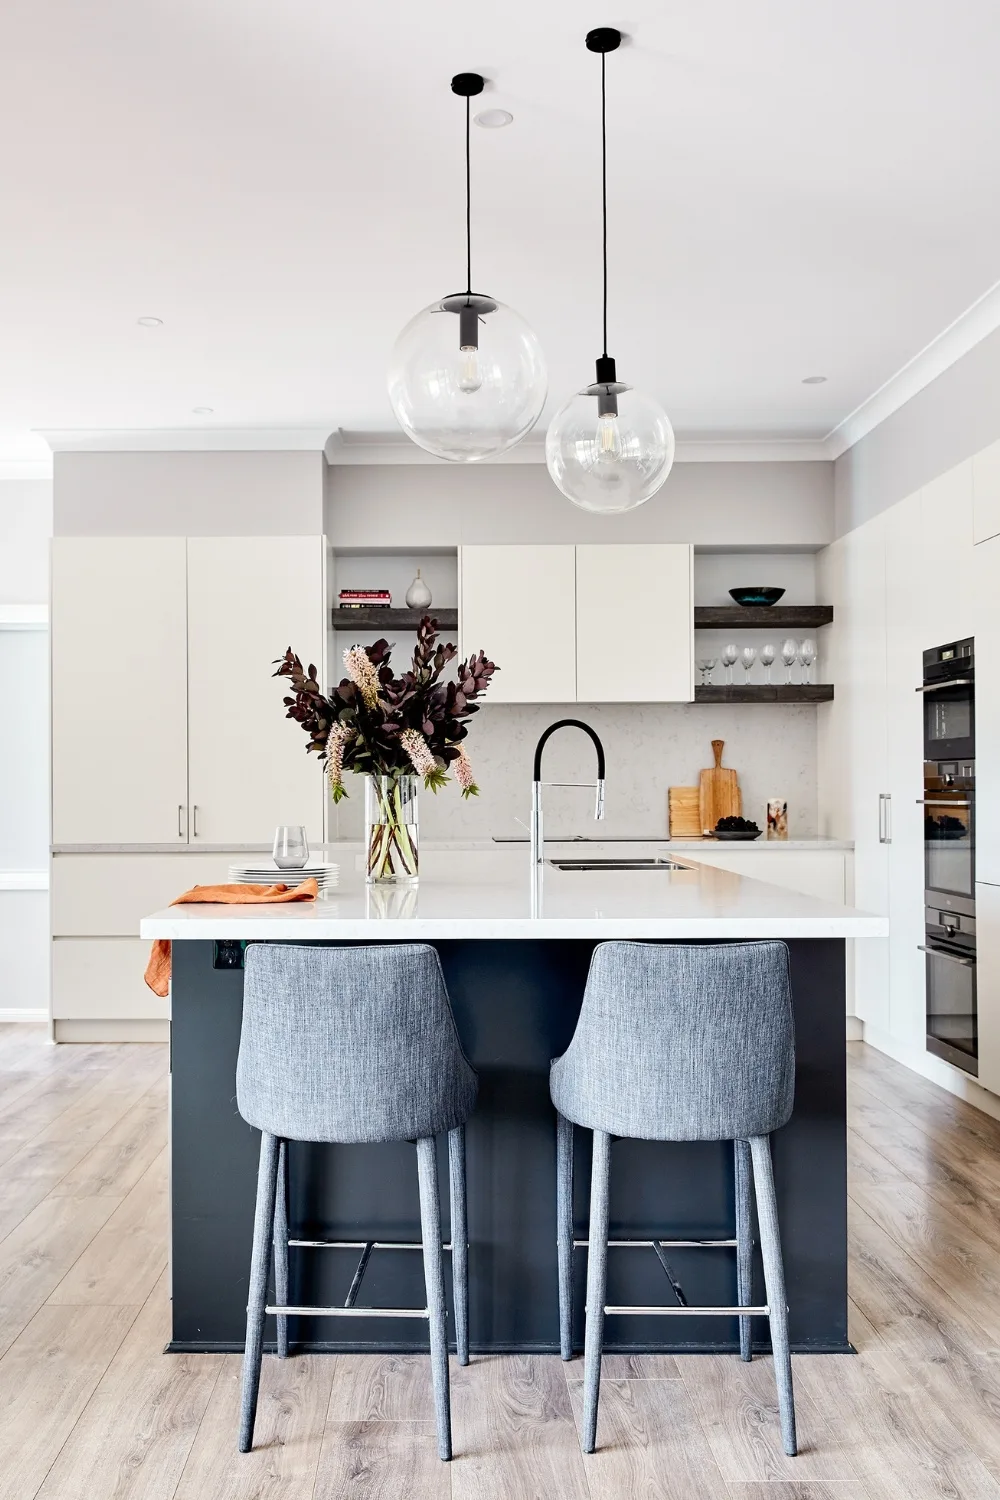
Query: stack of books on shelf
(365,599)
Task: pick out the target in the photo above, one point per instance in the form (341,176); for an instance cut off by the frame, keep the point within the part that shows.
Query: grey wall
(188,494)
(945,423)
(710,504)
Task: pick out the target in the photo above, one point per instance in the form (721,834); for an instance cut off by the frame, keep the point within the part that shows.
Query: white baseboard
(855,1029)
(935,1069)
(22,1013)
(111,1031)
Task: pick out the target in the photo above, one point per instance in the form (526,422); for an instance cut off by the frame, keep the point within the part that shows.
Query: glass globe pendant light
(609,448)
(467,378)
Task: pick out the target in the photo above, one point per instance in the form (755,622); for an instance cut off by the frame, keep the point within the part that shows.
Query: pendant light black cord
(468,203)
(604,195)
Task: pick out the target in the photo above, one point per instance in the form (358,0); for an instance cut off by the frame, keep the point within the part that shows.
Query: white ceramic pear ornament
(418,595)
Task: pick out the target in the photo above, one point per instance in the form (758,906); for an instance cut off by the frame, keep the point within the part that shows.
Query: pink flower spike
(362,674)
(464,774)
(419,752)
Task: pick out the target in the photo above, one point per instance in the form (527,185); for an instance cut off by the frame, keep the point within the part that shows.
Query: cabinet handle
(885,817)
(940,687)
(943,802)
(180,820)
(195,820)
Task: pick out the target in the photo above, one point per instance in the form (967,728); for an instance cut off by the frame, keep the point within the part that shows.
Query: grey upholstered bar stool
(678,1043)
(353,1045)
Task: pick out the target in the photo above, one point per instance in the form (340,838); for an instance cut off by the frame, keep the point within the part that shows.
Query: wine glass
(706,667)
(807,655)
(729,658)
(766,658)
(789,652)
(749,657)
(291,848)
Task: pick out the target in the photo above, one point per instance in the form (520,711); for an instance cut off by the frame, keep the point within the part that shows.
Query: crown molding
(347,448)
(970,328)
(190,440)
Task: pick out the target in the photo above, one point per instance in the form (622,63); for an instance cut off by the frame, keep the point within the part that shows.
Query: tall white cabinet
(550,617)
(168,739)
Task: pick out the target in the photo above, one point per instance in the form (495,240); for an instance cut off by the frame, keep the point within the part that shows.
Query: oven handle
(939,687)
(944,802)
(967,963)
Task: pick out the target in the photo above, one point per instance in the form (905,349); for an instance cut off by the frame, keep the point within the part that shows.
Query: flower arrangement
(390,727)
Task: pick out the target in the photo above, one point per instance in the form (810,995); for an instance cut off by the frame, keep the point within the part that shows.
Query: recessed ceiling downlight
(203,411)
(814,380)
(493,119)
(150,322)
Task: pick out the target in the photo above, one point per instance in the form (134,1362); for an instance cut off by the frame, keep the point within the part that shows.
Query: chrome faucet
(537,837)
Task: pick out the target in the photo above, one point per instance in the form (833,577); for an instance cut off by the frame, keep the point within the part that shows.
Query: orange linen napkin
(158,969)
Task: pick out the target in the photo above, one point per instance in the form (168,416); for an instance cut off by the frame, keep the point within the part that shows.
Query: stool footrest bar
(691,1312)
(650,1244)
(360,1244)
(349,1312)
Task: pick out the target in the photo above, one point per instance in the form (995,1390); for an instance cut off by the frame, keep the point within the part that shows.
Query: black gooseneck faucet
(537,837)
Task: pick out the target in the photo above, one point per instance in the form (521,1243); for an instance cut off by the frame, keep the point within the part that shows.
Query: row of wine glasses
(791,652)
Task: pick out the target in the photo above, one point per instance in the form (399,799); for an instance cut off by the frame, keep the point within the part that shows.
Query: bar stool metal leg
(459,1241)
(281,1248)
(744,1242)
(564,1231)
(263,1230)
(430,1225)
(597,1275)
(774,1278)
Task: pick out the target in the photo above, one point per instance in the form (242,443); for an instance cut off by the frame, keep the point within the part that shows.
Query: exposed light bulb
(609,437)
(470,375)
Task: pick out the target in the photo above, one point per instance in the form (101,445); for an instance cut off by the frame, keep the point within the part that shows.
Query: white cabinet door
(986,610)
(518,604)
(653,660)
(986,493)
(862,613)
(119,691)
(248,599)
(988,983)
(101,979)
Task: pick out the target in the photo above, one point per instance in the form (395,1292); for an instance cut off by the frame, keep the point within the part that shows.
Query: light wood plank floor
(90,1409)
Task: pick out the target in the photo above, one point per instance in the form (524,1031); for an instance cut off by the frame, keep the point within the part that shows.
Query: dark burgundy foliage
(416,700)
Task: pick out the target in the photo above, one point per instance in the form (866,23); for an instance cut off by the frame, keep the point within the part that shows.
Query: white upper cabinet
(986,494)
(248,599)
(518,604)
(547,616)
(119,690)
(634,624)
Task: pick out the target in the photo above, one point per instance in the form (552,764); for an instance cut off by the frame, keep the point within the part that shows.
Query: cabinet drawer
(106,895)
(100,979)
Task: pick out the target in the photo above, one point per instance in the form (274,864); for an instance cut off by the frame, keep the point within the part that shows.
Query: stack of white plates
(266,872)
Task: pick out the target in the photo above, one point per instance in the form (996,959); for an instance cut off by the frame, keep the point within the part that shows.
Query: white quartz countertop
(490,895)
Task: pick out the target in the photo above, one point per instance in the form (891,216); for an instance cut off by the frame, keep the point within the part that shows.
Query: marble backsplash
(649,747)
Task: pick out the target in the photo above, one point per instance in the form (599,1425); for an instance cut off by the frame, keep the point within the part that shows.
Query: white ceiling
(795,189)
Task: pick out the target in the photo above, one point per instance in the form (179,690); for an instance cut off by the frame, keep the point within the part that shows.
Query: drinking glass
(291,848)
(807,655)
(729,657)
(749,657)
(766,658)
(789,652)
(706,667)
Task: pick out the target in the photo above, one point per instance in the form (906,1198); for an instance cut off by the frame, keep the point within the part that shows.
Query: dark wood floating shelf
(391,619)
(800,616)
(783,692)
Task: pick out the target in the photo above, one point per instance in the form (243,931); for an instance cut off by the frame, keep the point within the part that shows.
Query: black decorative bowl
(737,837)
(756,597)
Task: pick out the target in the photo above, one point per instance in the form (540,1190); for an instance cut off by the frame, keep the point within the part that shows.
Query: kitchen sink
(615,864)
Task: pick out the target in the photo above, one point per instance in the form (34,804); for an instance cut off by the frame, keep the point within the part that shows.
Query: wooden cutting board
(684,803)
(719,792)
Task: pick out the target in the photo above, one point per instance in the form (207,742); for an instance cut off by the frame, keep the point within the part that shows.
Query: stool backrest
(682,1042)
(350,1045)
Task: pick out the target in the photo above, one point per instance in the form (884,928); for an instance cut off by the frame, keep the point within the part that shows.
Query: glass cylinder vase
(391,829)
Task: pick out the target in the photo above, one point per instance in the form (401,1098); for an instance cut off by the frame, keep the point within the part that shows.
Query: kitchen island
(515,958)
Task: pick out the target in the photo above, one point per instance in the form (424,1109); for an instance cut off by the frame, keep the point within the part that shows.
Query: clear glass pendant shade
(467,378)
(605,460)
